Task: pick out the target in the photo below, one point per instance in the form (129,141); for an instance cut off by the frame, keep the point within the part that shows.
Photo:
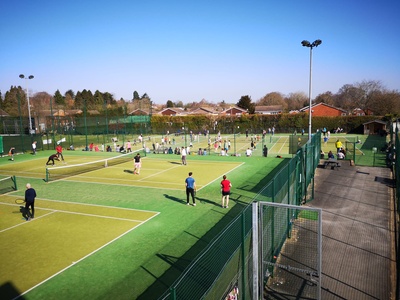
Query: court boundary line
(79,213)
(98,205)
(26,222)
(84,257)
(217,178)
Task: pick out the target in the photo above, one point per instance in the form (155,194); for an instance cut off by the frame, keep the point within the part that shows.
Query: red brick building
(324,110)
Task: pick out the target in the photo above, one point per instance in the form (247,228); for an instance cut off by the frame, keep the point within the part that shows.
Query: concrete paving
(358,258)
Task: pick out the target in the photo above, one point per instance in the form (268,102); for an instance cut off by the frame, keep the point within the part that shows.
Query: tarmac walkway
(358,257)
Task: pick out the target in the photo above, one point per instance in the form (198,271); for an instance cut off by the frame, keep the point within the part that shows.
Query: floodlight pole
(22,76)
(305,43)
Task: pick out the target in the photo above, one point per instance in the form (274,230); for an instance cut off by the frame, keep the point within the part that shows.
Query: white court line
(219,177)
(126,185)
(283,144)
(82,214)
(96,205)
(26,222)
(79,260)
(163,171)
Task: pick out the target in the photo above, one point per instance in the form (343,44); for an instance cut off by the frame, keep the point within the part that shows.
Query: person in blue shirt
(190,184)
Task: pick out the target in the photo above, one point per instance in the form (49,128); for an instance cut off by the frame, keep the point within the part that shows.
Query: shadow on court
(128,171)
(9,291)
(179,264)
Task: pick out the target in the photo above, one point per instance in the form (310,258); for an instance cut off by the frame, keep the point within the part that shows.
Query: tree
(348,96)
(245,103)
(79,101)
(10,103)
(59,99)
(88,99)
(296,101)
(40,103)
(178,104)
(109,98)
(366,91)
(170,103)
(135,95)
(385,103)
(69,93)
(327,98)
(98,98)
(273,98)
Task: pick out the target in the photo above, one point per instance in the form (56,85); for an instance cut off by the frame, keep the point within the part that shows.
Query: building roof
(375,121)
(306,108)
(268,108)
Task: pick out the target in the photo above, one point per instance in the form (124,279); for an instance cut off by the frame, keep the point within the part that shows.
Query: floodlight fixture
(306,43)
(22,76)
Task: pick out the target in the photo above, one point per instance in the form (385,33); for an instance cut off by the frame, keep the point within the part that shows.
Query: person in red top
(59,151)
(226,190)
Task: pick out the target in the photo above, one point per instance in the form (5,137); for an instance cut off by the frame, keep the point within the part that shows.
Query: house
(362,112)
(176,111)
(375,127)
(234,111)
(138,112)
(324,110)
(203,111)
(268,109)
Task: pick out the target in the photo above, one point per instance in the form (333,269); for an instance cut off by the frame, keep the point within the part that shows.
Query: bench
(333,163)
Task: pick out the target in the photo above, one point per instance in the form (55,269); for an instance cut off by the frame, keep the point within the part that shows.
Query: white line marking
(79,260)
(26,222)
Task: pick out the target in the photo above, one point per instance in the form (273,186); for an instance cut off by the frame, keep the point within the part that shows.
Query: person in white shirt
(248,152)
(340,155)
(183,155)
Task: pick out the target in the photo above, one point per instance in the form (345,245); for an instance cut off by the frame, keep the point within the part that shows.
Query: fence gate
(288,239)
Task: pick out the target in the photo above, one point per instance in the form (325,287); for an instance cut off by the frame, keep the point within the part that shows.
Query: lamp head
(305,43)
(30,76)
(21,76)
(317,43)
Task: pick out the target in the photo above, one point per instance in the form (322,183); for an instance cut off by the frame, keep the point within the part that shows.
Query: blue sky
(193,50)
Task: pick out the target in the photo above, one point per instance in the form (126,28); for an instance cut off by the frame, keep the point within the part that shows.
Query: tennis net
(55,173)
(8,184)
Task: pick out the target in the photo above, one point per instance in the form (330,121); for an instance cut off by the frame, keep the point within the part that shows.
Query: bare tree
(327,98)
(296,101)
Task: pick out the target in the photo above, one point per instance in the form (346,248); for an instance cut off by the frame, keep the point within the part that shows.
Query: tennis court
(81,217)
(61,235)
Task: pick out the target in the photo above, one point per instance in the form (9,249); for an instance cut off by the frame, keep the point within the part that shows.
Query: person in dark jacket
(30,195)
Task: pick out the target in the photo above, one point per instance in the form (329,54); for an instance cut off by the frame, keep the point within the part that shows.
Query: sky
(192,50)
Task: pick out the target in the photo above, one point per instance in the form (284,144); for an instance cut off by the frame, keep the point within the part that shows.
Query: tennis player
(52,158)
(59,150)
(190,184)
(30,195)
(137,163)
(226,190)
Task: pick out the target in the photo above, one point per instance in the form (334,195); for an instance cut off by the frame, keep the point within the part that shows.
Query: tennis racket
(19,201)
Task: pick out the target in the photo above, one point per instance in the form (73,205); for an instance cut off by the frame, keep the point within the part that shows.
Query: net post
(47,175)
(14,179)
(105,163)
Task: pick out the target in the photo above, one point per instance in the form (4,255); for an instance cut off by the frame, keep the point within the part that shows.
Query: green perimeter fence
(393,152)
(225,267)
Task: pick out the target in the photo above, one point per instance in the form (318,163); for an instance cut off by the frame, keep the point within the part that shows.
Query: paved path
(358,260)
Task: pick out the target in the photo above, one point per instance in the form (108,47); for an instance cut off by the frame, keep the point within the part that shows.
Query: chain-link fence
(226,268)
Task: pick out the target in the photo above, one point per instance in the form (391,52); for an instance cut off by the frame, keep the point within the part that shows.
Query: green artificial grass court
(143,262)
